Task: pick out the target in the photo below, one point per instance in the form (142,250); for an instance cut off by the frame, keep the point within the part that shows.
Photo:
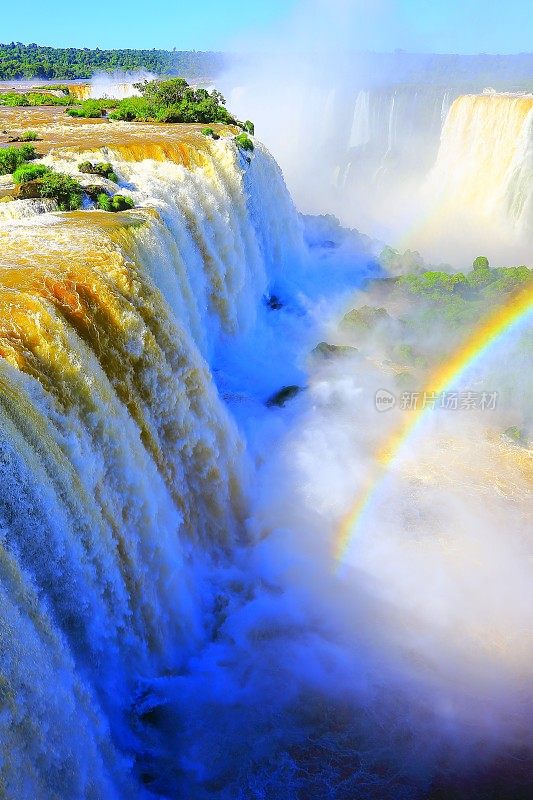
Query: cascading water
(172,622)
(121,471)
(484,166)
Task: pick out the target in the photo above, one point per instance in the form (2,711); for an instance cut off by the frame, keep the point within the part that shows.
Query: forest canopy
(19,61)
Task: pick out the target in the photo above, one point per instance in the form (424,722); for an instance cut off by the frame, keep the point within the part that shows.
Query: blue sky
(459,26)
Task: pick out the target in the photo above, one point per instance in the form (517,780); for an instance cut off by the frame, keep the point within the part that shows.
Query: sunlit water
(174,622)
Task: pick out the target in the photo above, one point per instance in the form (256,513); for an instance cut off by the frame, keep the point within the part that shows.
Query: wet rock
(328,351)
(284,394)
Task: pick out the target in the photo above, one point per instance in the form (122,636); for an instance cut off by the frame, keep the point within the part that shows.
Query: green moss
(113,204)
(104,170)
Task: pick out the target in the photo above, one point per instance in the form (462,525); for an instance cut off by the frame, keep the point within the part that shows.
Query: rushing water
(171,623)
(120,466)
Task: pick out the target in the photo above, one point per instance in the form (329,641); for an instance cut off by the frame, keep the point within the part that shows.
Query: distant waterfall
(484,166)
(121,471)
(394,131)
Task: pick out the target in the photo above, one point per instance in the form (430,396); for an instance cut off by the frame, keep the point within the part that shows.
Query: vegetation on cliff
(422,316)
(117,202)
(244,142)
(460,297)
(173,101)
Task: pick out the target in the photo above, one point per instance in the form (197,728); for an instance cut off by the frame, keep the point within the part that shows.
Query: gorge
(174,622)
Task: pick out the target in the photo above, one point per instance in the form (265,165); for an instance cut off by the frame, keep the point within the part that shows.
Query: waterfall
(360,133)
(116,86)
(484,168)
(121,471)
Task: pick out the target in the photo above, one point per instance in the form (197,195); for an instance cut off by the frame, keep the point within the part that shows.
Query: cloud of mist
(118,85)
(408,668)
(357,134)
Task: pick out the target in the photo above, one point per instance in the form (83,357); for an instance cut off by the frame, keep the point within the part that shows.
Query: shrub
(90,109)
(505,280)
(29,172)
(116,203)
(432,283)
(12,157)
(244,142)
(29,136)
(54,87)
(163,93)
(104,170)
(211,133)
(401,263)
(42,99)
(33,99)
(249,127)
(122,203)
(103,201)
(12,99)
(63,189)
(132,108)
(479,277)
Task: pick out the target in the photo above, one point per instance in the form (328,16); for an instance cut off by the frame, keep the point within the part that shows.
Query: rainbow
(499,322)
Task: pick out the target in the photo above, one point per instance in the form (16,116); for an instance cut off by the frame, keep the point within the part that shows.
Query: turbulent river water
(172,620)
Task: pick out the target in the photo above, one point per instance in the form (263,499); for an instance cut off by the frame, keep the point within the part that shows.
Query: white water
(169,595)
(391,160)
(121,471)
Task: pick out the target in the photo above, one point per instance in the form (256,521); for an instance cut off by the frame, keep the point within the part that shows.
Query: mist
(359,133)
(118,85)
(404,669)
